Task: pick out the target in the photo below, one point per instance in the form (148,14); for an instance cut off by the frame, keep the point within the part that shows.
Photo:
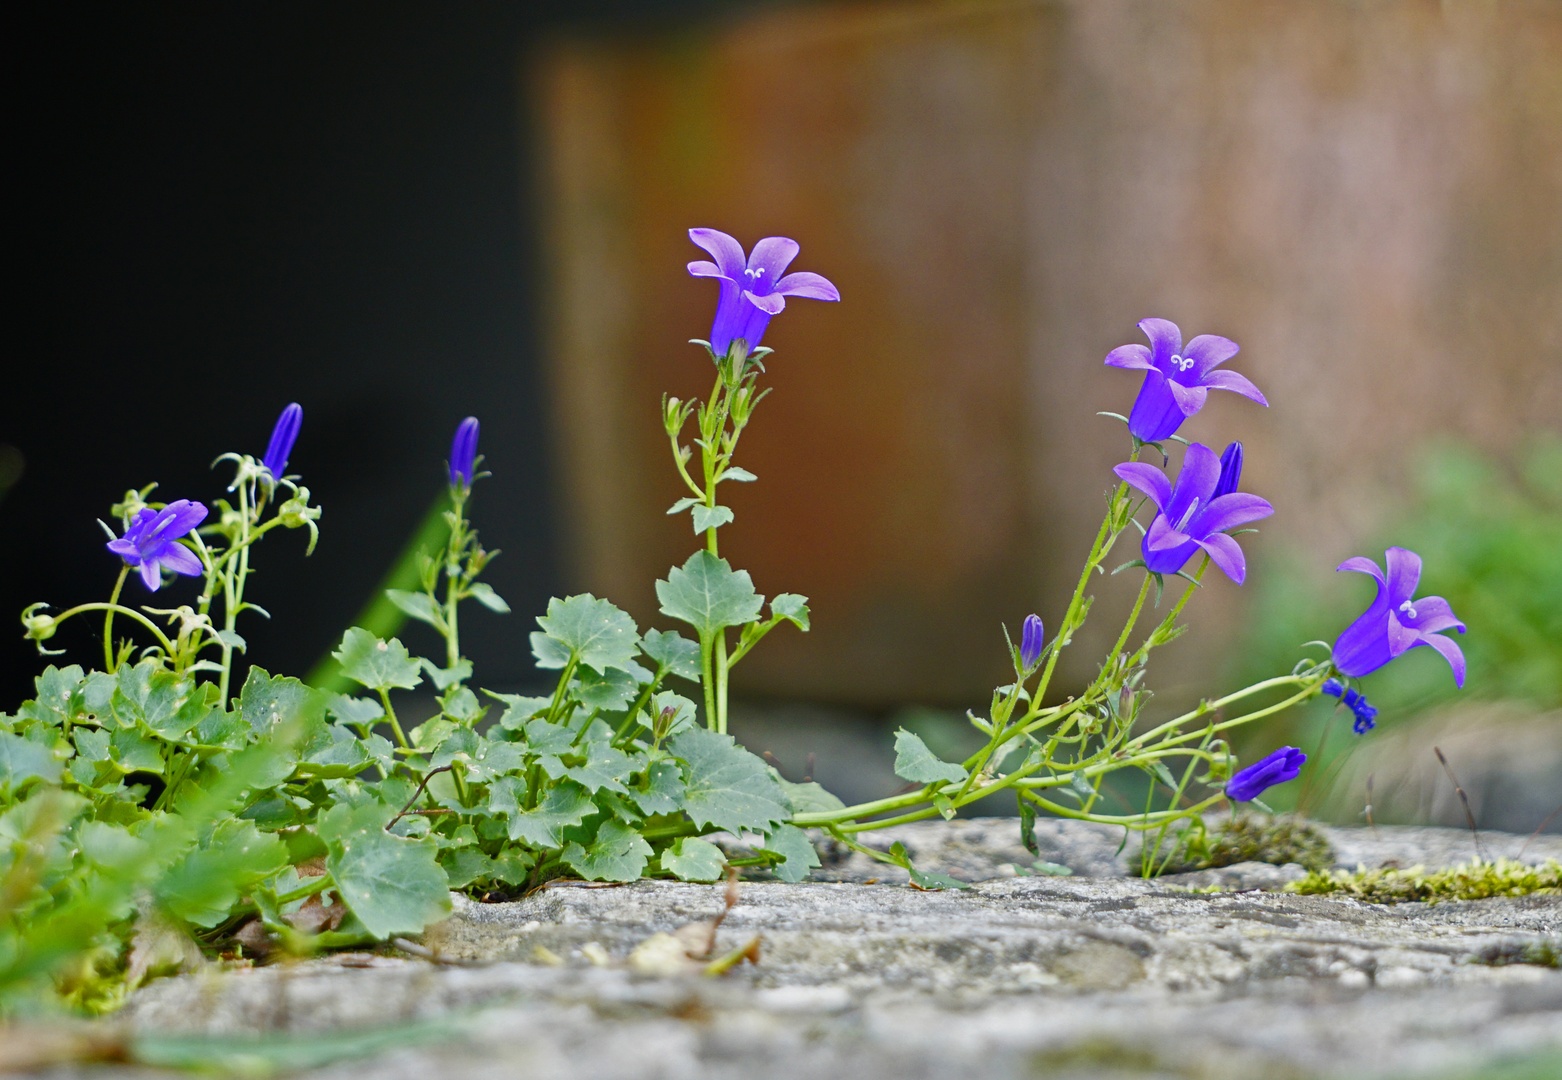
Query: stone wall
(1366,196)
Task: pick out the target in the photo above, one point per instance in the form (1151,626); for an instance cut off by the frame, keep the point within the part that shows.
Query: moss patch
(1249,839)
(1474,880)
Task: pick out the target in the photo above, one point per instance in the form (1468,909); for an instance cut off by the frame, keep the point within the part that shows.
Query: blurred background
(398,215)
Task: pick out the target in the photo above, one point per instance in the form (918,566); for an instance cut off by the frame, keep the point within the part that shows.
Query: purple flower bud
(151,541)
(1032,638)
(463,453)
(1249,783)
(1366,714)
(283,436)
(1230,470)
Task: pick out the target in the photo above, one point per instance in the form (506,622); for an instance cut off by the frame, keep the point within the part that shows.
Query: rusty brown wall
(1367,196)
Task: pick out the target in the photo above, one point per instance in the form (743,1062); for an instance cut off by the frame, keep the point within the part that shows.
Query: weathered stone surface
(1016,976)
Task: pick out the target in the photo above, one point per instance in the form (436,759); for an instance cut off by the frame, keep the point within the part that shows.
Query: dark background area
(224,208)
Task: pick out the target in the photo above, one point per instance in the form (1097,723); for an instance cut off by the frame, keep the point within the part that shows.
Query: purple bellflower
(1176,379)
(463,453)
(1032,638)
(1356,702)
(752,289)
(152,541)
(1249,783)
(283,436)
(1395,622)
(1196,512)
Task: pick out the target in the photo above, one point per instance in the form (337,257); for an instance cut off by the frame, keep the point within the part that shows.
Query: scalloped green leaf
(377,664)
(393,885)
(708,594)
(727,787)
(594,631)
(796,850)
(673,651)
(618,853)
(693,859)
(915,762)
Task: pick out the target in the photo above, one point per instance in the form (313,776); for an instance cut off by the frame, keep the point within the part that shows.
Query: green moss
(1248,839)
(1475,880)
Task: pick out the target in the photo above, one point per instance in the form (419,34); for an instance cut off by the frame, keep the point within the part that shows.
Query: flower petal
(1226,553)
(1167,560)
(1229,511)
(1200,473)
(770,303)
(181,560)
(769,260)
(1165,340)
(1155,414)
(1449,650)
(807,284)
(702,268)
(125,550)
(1209,351)
(1190,399)
(1401,638)
(727,252)
(1404,574)
(1432,614)
(1363,647)
(1162,536)
(1133,357)
(1148,479)
(151,576)
(1240,384)
(1360,564)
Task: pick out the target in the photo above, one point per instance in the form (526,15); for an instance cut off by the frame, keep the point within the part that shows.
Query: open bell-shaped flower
(753,289)
(1395,622)
(1177,378)
(151,543)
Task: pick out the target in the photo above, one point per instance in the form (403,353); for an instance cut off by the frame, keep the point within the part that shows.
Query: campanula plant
(154,798)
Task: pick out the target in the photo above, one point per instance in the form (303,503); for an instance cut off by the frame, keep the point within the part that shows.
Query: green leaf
(271,700)
(58,696)
(379,665)
(1162,773)
(618,853)
(796,850)
(727,787)
(465,865)
(807,798)
(693,859)
(163,702)
(683,504)
(605,767)
(683,711)
(923,880)
(445,678)
(663,792)
(711,517)
(354,710)
(462,705)
(674,652)
(567,804)
(519,709)
(420,606)
(484,594)
(204,885)
(611,691)
(393,885)
(915,762)
(593,631)
(135,752)
(22,760)
(792,607)
(735,473)
(708,594)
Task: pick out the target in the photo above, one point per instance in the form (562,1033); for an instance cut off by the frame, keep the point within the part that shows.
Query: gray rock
(1092,975)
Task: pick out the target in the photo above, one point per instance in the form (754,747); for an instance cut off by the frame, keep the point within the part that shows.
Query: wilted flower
(1032,638)
(1176,379)
(463,453)
(152,541)
(752,290)
(1249,783)
(1356,702)
(1396,623)
(1192,515)
(283,436)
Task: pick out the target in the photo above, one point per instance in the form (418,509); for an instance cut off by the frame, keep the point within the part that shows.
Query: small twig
(729,901)
(405,810)
(1370,823)
(1538,829)
(808,775)
(433,956)
(1465,799)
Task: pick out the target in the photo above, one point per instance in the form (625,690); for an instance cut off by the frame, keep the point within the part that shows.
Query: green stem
(316,884)
(121,609)
(108,620)
(390,717)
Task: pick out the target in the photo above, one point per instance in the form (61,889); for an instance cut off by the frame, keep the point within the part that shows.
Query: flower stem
(108,620)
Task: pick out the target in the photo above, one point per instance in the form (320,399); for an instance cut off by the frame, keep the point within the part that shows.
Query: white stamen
(756,273)
(1407,609)
(1188,516)
(1183,362)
